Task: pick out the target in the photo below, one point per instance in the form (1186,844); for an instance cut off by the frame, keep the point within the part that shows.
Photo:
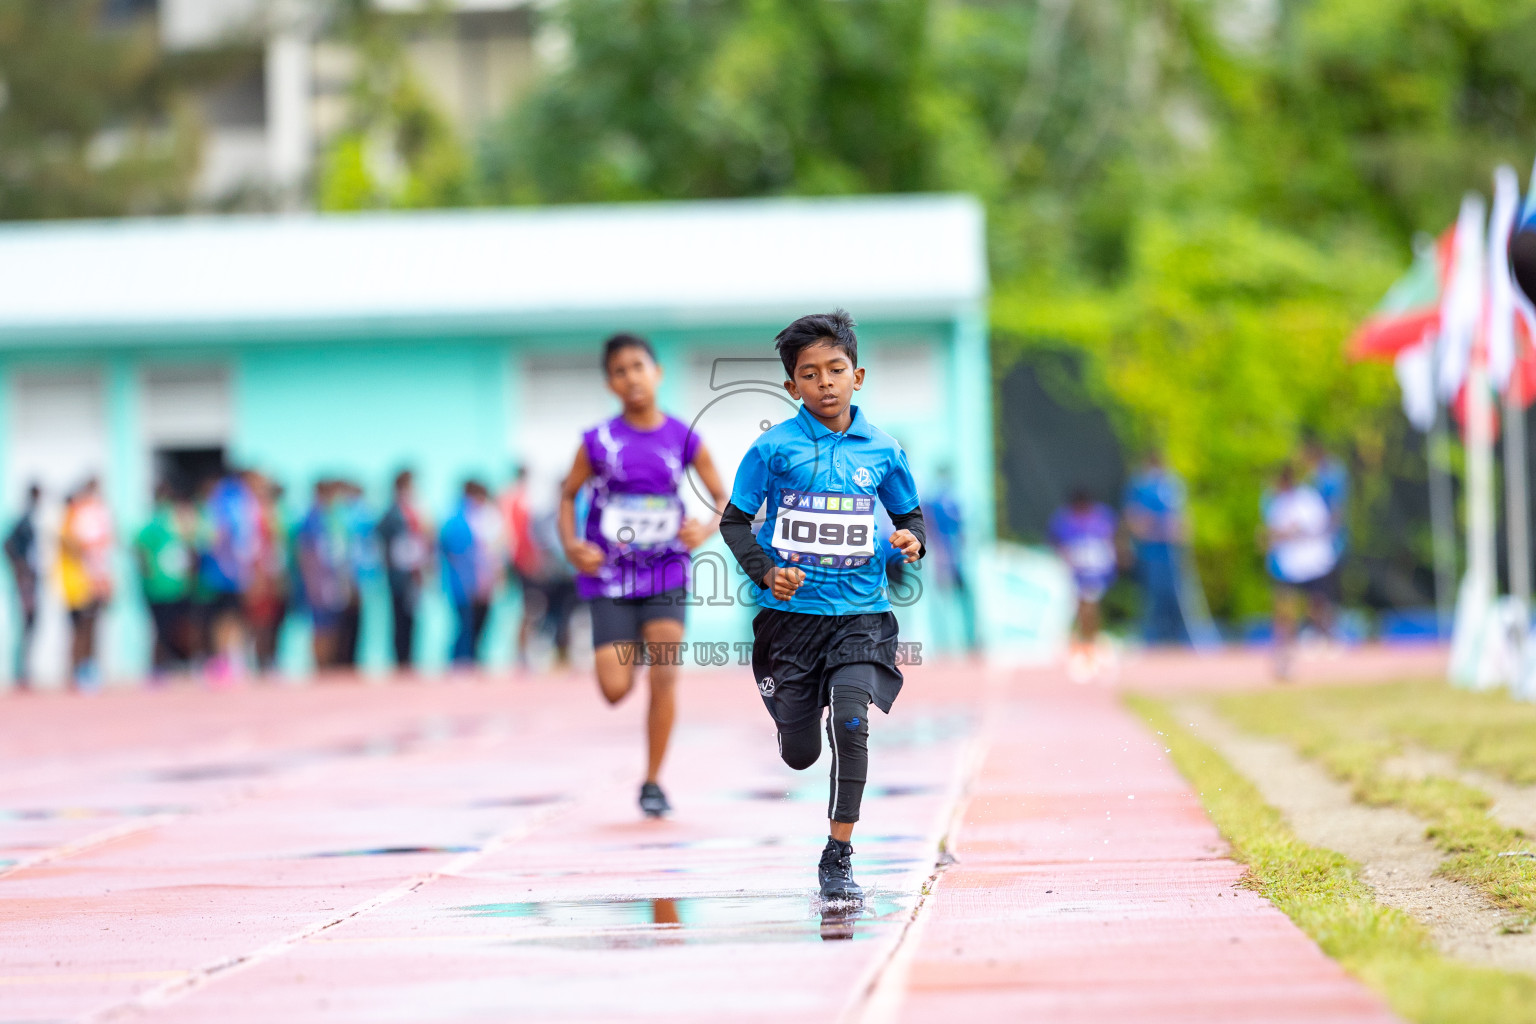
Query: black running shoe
(653,801)
(836,874)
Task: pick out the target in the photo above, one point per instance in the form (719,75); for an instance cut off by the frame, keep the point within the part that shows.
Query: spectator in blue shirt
(1329,477)
(472,566)
(1155,519)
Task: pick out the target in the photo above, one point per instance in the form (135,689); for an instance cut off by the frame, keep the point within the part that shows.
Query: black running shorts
(618,619)
(795,658)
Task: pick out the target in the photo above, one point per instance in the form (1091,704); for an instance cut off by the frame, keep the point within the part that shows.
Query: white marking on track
(183,986)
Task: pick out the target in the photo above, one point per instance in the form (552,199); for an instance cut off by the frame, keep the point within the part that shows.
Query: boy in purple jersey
(1083,533)
(631,557)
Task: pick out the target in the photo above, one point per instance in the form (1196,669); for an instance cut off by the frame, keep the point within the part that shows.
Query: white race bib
(1093,555)
(406,551)
(641,520)
(836,531)
(175,560)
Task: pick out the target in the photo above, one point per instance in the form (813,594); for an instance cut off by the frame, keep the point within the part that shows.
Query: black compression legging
(848,738)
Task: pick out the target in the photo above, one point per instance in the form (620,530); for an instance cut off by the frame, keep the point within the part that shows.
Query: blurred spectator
(358,527)
(226,562)
(1299,537)
(21,551)
(1330,478)
(324,547)
(473,553)
(555,585)
(525,558)
(266,598)
(544,576)
(1155,519)
(946,549)
(163,549)
(405,546)
(1083,532)
(85,576)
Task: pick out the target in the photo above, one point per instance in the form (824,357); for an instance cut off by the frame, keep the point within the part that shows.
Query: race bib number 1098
(836,531)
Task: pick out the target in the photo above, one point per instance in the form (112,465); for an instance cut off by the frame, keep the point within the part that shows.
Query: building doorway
(188,471)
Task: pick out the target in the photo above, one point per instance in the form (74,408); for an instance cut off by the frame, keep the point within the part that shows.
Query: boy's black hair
(619,342)
(835,327)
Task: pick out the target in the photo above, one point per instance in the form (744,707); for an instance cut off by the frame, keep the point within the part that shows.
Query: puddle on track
(743,843)
(211,772)
(533,800)
(427,732)
(81,813)
(819,792)
(393,851)
(642,923)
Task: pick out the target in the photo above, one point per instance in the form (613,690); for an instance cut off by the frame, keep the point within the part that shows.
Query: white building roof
(655,264)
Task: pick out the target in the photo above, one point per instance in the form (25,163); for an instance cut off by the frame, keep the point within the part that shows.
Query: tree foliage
(397,149)
(95,118)
(1203,196)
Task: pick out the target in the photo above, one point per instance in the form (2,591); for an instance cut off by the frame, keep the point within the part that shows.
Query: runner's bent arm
(736,529)
(910,523)
(752,480)
(585,556)
(898,490)
(694,533)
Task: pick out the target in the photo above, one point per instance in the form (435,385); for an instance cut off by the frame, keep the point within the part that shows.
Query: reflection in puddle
(208,772)
(629,923)
(426,732)
(390,851)
(838,925)
(921,732)
(819,792)
(665,912)
(71,813)
(742,843)
(536,800)
(894,791)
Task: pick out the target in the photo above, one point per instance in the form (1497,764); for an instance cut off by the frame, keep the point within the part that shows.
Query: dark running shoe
(836,874)
(653,801)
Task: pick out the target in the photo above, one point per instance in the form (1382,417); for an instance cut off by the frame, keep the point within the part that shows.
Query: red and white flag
(1463,305)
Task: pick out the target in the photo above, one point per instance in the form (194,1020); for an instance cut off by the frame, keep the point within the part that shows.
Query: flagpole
(1516,497)
(1442,520)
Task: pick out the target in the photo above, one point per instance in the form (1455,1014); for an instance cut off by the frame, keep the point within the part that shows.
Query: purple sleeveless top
(635,508)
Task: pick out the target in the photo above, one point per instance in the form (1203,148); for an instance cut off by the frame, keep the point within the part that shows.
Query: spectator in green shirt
(166,566)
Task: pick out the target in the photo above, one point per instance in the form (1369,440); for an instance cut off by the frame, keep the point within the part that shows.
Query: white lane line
(183,986)
(111,833)
(878,997)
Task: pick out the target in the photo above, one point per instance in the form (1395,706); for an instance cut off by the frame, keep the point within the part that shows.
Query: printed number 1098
(800,531)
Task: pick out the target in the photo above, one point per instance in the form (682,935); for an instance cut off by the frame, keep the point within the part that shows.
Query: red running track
(471,851)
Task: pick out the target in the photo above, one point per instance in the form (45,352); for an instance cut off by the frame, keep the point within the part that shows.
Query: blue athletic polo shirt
(811,478)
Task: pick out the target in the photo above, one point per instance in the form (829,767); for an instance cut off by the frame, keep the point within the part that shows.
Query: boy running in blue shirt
(825,637)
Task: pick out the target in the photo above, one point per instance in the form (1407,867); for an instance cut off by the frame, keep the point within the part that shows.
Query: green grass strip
(1352,735)
(1321,891)
(1489,732)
